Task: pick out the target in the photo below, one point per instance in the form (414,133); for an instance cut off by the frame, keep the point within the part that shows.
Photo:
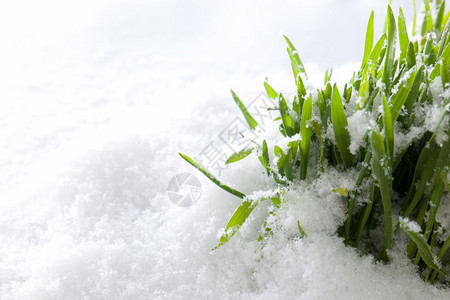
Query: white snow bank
(102,227)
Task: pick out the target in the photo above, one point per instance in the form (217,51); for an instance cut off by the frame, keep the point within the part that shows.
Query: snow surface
(97,98)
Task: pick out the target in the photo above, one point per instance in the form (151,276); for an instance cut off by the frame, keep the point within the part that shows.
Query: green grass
(391,86)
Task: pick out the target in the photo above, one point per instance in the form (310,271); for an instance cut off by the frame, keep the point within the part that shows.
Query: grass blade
(440,16)
(281,159)
(305,132)
(410,56)
(270,91)
(423,172)
(428,51)
(388,130)
(237,156)
(424,249)
(404,93)
(374,56)
(382,170)
(339,121)
(212,177)
(445,77)
(390,49)
(239,216)
(289,165)
(441,255)
(402,35)
(443,163)
(285,117)
(444,37)
(264,158)
(248,117)
(369,41)
(413,93)
(296,62)
(300,229)
(362,174)
(328,74)
(365,214)
(427,24)
(301,89)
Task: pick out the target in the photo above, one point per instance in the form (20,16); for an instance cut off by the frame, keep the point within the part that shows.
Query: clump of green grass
(391,87)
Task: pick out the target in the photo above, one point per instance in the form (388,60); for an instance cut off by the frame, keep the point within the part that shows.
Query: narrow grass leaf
(424,249)
(410,56)
(237,156)
(305,132)
(390,48)
(264,157)
(301,89)
(443,163)
(388,130)
(270,91)
(446,18)
(281,159)
(445,177)
(445,76)
(285,117)
(212,177)
(248,117)
(439,16)
(427,24)
(446,54)
(354,194)
(239,216)
(412,95)
(289,165)
(382,171)
(296,62)
(328,73)
(369,41)
(374,55)
(444,38)
(429,55)
(339,121)
(423,172)
(365,214)
(402,35)
(403,92)
(347,93)
(436,71)
(300,229)
(441,254)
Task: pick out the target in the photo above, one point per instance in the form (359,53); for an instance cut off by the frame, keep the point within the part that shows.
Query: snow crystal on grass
(404,139)
(410,225)
(358,124)
(258,195)
(433,114)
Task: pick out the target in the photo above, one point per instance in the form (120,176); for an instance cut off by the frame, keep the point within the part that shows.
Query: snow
(358,124)
(443,217)
(97,99)
(410,225)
